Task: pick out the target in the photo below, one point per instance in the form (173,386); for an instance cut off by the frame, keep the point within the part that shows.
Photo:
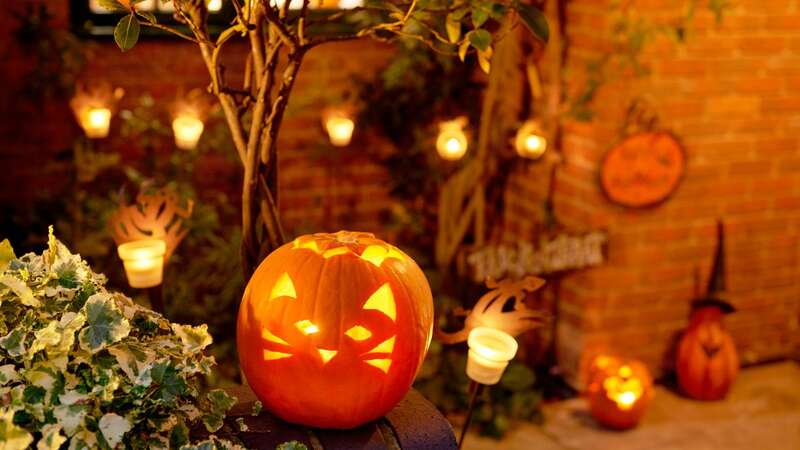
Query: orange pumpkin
(707,360)
(333,328)
(619,391)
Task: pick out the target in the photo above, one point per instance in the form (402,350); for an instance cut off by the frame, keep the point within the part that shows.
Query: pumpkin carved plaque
(643,169)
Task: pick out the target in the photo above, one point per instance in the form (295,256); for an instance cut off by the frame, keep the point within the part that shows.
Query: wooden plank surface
(413,424)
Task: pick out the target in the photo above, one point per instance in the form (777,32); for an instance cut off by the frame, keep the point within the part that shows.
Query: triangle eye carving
(383,300)
(284,287)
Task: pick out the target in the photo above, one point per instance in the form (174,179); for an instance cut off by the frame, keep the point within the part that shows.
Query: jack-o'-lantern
(707,360)
(333,328)
(619,391)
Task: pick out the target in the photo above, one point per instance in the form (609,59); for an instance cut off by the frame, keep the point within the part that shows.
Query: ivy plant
(89,368)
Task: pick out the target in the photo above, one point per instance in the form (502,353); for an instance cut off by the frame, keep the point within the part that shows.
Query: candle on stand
(143,261)
(490,350)
(340,129)
(187,129)
(95,122)
(451,144)
(530,141)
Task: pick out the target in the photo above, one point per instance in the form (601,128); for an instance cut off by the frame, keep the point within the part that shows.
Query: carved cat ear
(383,300)
(284,287)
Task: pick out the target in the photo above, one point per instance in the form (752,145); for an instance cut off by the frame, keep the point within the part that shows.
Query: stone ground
(762,412)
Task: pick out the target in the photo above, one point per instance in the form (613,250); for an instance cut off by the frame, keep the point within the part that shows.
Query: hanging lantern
(94,108)
(339,124)
(619,391)
(451,144)
(490,351)
(333,328)
(530,141)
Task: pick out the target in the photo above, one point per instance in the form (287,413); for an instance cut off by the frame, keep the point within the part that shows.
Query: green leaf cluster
(88,368)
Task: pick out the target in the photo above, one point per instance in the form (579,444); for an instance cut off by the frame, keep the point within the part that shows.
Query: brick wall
(322,187)
(730,94)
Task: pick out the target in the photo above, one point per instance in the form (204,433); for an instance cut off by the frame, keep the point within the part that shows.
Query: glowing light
(530,141)
(307,327)
(350,4)
(311,245)
(96,122)
(269,355)
(383,300)
(340,128)
(626,400)
(283,288)
(187,129)
(143,261)
(214,5)
(376,254)
(451,144)
(382,364)
(490,350)
(326,355)
(358,333)
(386,346)
(625,372)
(336,251)
(267,335)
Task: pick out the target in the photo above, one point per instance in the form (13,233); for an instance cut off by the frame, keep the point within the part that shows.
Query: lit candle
(490,350)
(187,129)
(530,142)
(95,122)
(340,129)
(143,261)
(451,144)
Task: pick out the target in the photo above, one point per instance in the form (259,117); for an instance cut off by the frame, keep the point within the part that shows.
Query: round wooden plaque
(643,169)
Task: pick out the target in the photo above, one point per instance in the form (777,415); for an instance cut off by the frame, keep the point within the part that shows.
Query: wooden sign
(643,169)
(563,252)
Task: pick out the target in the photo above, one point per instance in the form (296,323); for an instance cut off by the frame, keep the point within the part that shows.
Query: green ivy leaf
(534,19)
(11,436)
(6,254)
(126,34)
(480,39)
(193,339)
(170,384)
(105,324)
(220,403)
(113,427)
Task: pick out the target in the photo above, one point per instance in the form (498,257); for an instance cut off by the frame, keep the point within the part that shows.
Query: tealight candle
(187,129)
(451,144)
(490,350)
(143,261)
(340,130)
(95,122)
(530,142)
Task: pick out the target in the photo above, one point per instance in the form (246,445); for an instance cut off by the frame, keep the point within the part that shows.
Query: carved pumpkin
(619,391)
(333,328)
(707,360)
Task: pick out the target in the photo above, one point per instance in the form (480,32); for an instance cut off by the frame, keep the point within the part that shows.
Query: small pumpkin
(619,391)
(333,328)
(707,363)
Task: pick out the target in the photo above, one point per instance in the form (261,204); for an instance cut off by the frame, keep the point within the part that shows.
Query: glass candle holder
(96,122)
(530,141)
(143,261)
(187,130)
(490,350)
(451,144)
(340,130)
